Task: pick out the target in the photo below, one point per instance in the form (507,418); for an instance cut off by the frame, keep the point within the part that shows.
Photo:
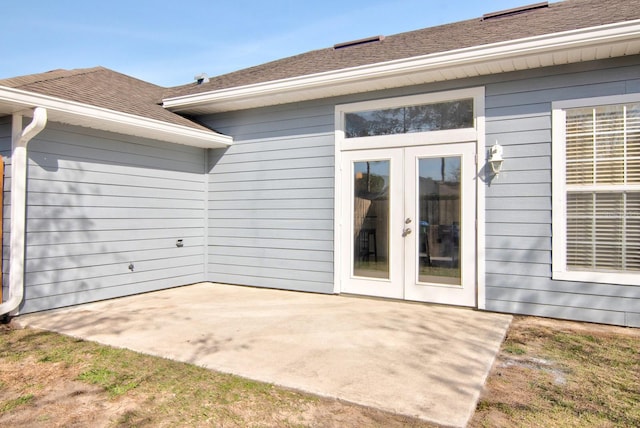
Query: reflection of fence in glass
(371,219)
(439,212)
(440,225)
(456,114)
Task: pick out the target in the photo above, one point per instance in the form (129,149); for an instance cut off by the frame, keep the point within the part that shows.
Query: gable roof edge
(591,43)
(89,116)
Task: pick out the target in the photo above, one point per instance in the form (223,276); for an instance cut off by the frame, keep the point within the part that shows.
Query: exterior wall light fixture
(495,158)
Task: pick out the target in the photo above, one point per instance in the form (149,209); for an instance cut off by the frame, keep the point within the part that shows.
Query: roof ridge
(47,76)
(73,72)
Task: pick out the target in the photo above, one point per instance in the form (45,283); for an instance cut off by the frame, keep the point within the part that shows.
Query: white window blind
(603,188)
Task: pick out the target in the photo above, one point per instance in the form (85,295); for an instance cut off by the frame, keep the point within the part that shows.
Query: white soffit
(587,44)
(70,112)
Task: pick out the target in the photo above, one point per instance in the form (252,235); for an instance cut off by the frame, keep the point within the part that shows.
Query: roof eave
(568,47)
(14,100)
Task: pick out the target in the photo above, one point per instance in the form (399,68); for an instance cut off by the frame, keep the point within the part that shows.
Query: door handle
(406,231)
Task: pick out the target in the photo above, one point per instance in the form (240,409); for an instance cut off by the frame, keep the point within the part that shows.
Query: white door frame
(475,134)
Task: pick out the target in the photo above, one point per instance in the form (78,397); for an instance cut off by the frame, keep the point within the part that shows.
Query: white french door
(408,223)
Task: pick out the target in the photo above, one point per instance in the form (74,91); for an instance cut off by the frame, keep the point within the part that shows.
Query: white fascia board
(75,113)
(475,56)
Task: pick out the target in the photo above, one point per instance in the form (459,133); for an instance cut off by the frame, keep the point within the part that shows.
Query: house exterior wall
(271,196)
(518,204)
(261,212)
(98,202)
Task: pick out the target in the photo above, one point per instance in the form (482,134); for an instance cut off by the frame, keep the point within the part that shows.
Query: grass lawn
(548,373)
(563,374)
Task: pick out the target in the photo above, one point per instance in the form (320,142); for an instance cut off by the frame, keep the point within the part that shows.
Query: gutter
(19,140)
(526,53)
(89,116)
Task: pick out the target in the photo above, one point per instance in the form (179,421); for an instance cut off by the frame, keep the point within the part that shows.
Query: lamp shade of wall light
(495,158)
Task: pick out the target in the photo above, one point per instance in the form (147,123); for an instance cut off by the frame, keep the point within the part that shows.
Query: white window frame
(413,138)
(559,216)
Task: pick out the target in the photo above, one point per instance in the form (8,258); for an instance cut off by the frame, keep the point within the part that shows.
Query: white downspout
(19,140)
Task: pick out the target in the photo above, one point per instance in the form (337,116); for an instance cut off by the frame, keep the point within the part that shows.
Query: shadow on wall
(104,216)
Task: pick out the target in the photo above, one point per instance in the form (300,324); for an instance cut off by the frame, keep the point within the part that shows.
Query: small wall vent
(358,42)
(514,11)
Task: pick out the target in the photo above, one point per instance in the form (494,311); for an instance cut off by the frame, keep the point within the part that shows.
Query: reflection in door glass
(371,219)
(439,214)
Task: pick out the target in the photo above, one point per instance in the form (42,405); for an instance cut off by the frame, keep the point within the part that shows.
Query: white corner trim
(477,55)
(558,203)
(77,113)
(481,286)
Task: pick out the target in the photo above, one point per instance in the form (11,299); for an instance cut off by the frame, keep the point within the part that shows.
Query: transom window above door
(414,120)
(455,114)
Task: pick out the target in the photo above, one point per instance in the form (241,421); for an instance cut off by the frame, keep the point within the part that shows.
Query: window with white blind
(596,190)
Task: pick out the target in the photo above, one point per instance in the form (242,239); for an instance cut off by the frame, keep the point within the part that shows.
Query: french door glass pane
(371,219)
(439,220)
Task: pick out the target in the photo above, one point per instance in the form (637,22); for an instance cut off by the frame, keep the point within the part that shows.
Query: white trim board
(74,113)
(586,44)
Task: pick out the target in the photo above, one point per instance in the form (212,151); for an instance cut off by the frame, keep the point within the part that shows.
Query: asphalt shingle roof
(557,17)
(109,89)
(104,88)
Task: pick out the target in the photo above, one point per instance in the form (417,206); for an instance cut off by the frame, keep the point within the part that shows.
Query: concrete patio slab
(419,360)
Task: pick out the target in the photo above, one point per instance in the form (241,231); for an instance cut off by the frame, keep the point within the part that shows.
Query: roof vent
(201,78)
(358,42)
(515,11)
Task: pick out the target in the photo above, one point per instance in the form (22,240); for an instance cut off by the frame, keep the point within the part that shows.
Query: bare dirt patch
(562,373)
(51,398)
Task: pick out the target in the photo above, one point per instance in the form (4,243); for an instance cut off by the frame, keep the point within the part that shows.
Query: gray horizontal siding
(309,184)
(276,122)
(518,256)
(270,208)
(279,243)
(101,224)
(278,224)
(108,178)
(126,286)
(282,254)
(518,205)
(99,202)
(550,310)
(102,274)
(261,233)
(573,299)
